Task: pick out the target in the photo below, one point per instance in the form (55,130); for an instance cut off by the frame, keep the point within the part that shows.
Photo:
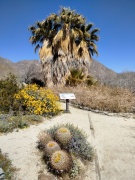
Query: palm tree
(64,41)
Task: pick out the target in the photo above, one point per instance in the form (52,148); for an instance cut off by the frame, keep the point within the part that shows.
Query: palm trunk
(57,70)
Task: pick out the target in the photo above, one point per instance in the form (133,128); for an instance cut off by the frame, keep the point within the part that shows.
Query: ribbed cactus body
(44,138)
(51,147)
(61,161)
(63,135)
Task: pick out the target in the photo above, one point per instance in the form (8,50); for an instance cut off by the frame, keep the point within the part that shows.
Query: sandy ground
(115,144)
(113,139)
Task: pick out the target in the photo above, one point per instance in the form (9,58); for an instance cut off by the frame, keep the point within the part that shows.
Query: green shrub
(90,80)
(8,88)
(7,166)
(9,123)
(74,171)
(76,77)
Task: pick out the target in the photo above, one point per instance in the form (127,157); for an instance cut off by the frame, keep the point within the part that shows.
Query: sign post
(67,96)
(67,105)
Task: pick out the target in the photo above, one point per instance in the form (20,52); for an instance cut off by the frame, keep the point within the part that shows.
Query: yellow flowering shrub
(38,100)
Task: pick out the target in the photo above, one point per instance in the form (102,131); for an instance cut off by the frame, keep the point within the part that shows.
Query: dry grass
(102,98)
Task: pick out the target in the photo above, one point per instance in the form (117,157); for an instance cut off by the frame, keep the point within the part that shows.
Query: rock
(46,177)
(81,165)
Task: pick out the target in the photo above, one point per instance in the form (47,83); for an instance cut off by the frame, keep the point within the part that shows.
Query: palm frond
(90,51)
(58,36)
(37,47)
(93,45)
(88,27)
(56,26)
(96,30)
(39,24)
(33,39)
(93,51)
(77,73)
(52,17)
(83,28)
(80,33)
(87,35)
(31,28)
(94,37)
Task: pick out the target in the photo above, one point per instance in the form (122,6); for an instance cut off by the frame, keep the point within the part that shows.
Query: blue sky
(115,18)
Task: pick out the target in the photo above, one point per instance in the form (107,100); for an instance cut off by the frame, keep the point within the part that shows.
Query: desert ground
(112,137)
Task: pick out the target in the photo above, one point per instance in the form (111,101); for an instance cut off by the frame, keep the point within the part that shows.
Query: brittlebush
(39,101)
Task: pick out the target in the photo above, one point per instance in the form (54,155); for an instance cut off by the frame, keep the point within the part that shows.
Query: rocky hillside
(22,67)
(24,70)
(102,73)
(7,67)
(28,69)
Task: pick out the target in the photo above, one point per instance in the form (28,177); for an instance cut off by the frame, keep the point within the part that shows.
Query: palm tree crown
(64,34)
(69,22)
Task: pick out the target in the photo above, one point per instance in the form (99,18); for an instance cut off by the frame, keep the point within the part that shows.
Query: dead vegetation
(103,98)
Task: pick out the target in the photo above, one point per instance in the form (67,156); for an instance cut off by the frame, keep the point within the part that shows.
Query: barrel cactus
(61,161)
(63,135)
(44,138)
(51,147)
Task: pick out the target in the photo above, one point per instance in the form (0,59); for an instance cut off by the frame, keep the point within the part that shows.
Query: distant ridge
(6,67)
(21,67)
(102,73)
(98,70)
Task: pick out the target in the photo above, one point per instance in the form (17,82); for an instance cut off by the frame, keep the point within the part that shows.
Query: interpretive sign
(67,96)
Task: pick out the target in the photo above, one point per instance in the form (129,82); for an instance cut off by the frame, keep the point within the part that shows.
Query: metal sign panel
(67,96)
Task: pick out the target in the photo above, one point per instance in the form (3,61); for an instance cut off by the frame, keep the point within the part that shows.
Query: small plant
(74,171)
(63,135)
(7,166)
(78,144)
(51,147)
(90,80)
(76,77)
(61,161)
(9,123)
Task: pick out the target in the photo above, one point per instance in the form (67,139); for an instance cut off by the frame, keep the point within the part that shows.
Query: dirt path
(112,137)
(115,144)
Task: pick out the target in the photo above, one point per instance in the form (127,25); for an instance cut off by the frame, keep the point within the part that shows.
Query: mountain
(6,67)
(26,70)
(102,73)
(29,69)
(22,67)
